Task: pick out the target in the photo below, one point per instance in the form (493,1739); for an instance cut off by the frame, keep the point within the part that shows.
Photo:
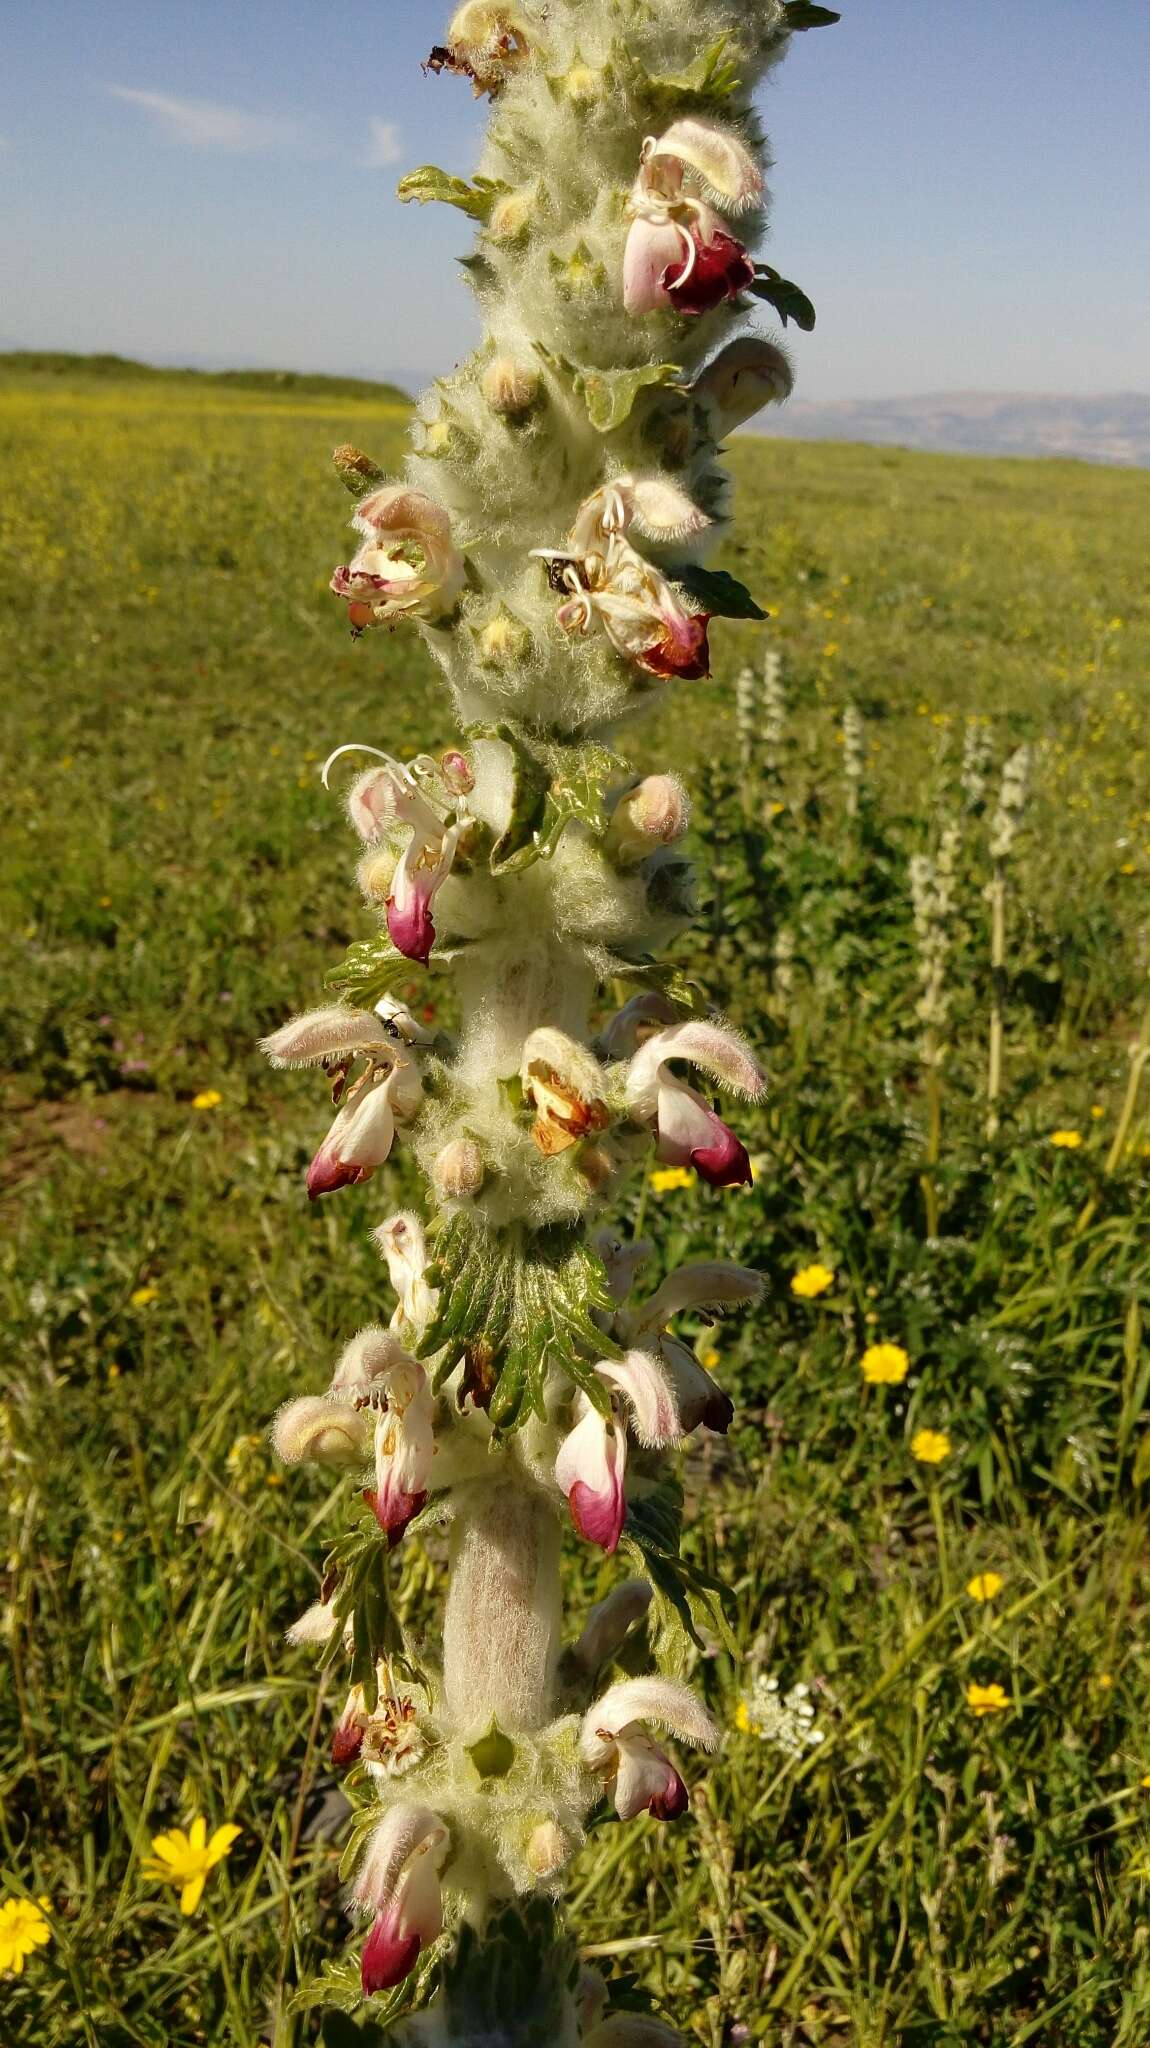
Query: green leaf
(515,846)
(578,791)
(370,968)
(687,1598)
(710,80)
(355,470)
(528,1307)
(611,394)
(494,1753)
(788,300)
(543,802)
(429,182)
(337,1985)
(717,592)
(800,14)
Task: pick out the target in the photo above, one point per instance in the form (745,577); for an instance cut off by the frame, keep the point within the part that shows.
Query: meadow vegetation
(930,1822)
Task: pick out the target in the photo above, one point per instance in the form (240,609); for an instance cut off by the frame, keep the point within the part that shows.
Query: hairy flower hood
(408,565)
(398,1883)
(687,1131)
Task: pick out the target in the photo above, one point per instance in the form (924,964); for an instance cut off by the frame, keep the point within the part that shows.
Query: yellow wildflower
(884,1365)
(743,1722)
(186,1859)
(930,1446)
(709,1360)
(208,1098)
(1104,1681)
(143,1295)
(1067,1141)
(1146,1782)
(830,650)
(1096,1111)
(23,1929)
(812,1280)
(665,1178)
(986,1699)
(985,1585)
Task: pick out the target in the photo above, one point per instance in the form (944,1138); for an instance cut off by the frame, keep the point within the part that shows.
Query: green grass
(175,880)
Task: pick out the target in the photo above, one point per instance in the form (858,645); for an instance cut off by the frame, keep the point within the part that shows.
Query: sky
(961,186)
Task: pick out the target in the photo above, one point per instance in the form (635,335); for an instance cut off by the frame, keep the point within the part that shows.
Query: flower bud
(582,85)
(509,387)
(458,1171)
(503,640)
(548,1849)
(510,216)
(655,814)
(457,772)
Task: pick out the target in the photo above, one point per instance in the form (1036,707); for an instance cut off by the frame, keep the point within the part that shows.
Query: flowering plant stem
(997,895)
(548,540)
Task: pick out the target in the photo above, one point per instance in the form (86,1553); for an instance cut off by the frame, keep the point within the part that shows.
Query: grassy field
(174,881)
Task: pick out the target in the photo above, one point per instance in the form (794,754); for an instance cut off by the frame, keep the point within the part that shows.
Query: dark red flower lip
(690,663)
(721,270)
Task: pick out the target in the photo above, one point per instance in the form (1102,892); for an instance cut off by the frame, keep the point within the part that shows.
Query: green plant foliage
(802,14)
(706,84)
(429,182)
(512,1976)
(611,394)
(510,1309)
(788,300)
(370,968)
(549,790)
(717,592)
(688,1598)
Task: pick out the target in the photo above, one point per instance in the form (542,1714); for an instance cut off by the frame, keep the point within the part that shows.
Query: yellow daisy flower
(884,1365)
(208,1098)
(930,1446)
(986,1699)
(812,1280)
(186,1859)
(143,1295)
(985,1585)
(665,1178)
(23,1929)
(1067,1141)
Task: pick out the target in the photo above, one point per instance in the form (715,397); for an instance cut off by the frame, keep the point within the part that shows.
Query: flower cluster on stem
(548,540)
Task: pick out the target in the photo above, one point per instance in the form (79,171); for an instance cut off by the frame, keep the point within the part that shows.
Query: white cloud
(384,146)
(208,124)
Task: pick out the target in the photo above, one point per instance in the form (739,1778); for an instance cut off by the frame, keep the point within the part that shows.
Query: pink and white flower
(706,1288)
(385,1095)
(408,566)
(399,1885)
(402,1244)
(404,1449)
(687,1131)
(383,803)
(679,254)
(592,1459)
(375,1374)
(615,1743)
(608,583)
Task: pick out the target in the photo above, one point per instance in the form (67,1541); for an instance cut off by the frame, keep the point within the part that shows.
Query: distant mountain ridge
(1113,427)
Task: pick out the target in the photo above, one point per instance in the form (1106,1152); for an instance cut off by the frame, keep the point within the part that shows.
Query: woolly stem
(501,1626)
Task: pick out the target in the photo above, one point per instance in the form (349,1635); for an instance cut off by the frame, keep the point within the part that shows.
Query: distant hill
(1114,427)
(110,369)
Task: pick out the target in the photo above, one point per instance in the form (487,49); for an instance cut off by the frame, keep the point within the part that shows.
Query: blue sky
(962,188)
